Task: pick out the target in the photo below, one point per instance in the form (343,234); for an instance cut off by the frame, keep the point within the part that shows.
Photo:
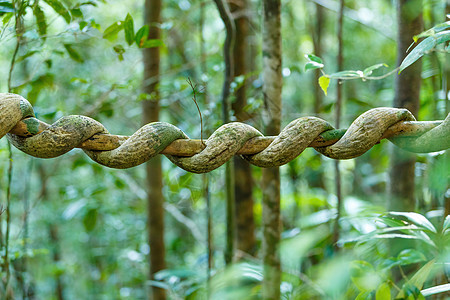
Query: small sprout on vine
(194,98)
(315,62)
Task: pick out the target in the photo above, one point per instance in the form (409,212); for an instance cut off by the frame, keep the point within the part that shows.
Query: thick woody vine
(39,139)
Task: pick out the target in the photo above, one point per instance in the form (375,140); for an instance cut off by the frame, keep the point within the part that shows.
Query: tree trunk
(225,15)
(338,109)
(54,238)
(245,226)
(271,176)
(407,93)
(152,17)
(317,42)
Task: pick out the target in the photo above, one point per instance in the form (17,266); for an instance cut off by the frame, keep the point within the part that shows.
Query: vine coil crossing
(39,139)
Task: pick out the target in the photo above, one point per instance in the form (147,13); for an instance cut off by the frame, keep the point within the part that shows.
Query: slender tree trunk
(152,17)
(245,226)
(225,15)
(317,42)
(271,176)
(338,111)
(53,235)
(407,93)
(206,192)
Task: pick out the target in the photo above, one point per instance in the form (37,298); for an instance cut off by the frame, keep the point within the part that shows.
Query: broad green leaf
(414,218)
(324,82)
(383,292)
(311,65)
(419,278)
(368,71)
(314,58)
(152,43)
(59,8)
(442,26)
(364,295)
(73,53)
(411,256)
(395,236)
(83,24)
(76,13)
(129,29)
(446,224)
(389,221)
(40,21)
(90,219)
(7,17)
(25,56)
(424,47)
(160,284)
(6,7)
(112,31)
(142,35)
(436,290)
(432,31)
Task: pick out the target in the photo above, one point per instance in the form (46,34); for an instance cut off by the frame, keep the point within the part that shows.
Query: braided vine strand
(365,132)
(436,139)
(221,146)
(60,138)
(39,139)
(144,144)
(13,108)
(290,143)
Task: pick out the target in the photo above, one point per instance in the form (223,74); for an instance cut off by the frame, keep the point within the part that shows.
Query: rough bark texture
(243,192)
(338,113)
(407,93)
(317,41)
(271,177)
(152,17)
(225,15)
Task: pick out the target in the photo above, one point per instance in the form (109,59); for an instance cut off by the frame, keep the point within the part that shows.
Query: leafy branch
(433,37)
(315,62)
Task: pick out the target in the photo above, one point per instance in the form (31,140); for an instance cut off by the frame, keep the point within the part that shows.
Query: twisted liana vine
(36,138)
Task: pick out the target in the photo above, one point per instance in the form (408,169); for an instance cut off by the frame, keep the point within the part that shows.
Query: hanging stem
(194,91)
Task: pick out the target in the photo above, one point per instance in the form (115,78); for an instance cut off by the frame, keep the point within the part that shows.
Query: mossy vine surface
(48,141)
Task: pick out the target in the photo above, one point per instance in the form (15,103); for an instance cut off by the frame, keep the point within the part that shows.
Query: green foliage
(60,9)
(6,7)
(41,22)
(324,82)
(73,53)
(315,62)
(112,31)
(425,47)
(129,29)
